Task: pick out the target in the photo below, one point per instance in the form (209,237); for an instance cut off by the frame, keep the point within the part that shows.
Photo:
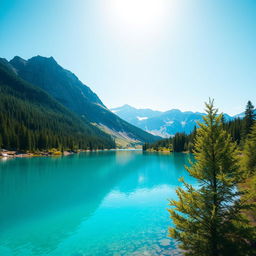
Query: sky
(158,54)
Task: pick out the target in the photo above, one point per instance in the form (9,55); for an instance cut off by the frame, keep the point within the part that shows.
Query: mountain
(164,124)
(242,115)
(133,115)
(67,89)
(31,119)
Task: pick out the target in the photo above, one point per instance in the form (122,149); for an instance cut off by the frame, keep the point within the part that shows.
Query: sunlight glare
(137,15)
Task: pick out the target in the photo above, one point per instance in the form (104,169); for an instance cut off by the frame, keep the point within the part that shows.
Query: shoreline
(167,151)
(11,154)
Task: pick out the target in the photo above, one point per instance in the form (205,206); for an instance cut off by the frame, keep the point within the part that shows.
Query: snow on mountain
(164,124)
(142,118)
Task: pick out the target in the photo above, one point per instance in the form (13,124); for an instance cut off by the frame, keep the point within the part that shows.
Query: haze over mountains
(164,124)
(64,87)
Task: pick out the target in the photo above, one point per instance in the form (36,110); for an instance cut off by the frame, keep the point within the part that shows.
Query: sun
(138,12)
(137,15)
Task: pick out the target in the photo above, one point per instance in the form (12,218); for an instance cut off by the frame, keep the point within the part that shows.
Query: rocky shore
(6,154)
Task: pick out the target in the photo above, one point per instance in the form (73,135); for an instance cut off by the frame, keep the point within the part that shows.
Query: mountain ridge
(67,89)
(30,119)
(161,123)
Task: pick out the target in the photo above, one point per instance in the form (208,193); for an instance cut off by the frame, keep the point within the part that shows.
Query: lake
(94,203)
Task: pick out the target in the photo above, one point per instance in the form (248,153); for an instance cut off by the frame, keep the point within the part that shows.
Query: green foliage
(208,219)
(31,120)
(248,119)
(248,163)
(178,143)
(249,152)
(167,144)
(235,128)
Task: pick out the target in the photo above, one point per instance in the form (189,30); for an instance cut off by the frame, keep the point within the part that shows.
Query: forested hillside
(68,90)
(31,120)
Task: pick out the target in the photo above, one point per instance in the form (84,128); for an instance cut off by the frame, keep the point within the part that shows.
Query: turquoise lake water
(95,203)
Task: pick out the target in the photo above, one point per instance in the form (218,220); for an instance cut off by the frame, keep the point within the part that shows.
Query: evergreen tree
(248,162)
(249,118)
(179,142)
(249,152)
(235,128)
(208,219)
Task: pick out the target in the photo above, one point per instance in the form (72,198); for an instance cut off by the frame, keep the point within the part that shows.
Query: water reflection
(45,201)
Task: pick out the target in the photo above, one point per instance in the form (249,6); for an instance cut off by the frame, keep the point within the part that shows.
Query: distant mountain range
(164,124)
(64,88)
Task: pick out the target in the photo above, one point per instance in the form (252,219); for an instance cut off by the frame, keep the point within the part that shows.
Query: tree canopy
(208,219)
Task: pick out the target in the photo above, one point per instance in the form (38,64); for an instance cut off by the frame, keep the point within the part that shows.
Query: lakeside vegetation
(217,217)
(238,128)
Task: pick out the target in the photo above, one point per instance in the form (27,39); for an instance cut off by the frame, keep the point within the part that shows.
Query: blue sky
(158,54)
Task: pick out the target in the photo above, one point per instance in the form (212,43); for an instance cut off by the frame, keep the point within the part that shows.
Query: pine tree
(249,152)
(208,219)
(179,141)
(248,163)
(249,118)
